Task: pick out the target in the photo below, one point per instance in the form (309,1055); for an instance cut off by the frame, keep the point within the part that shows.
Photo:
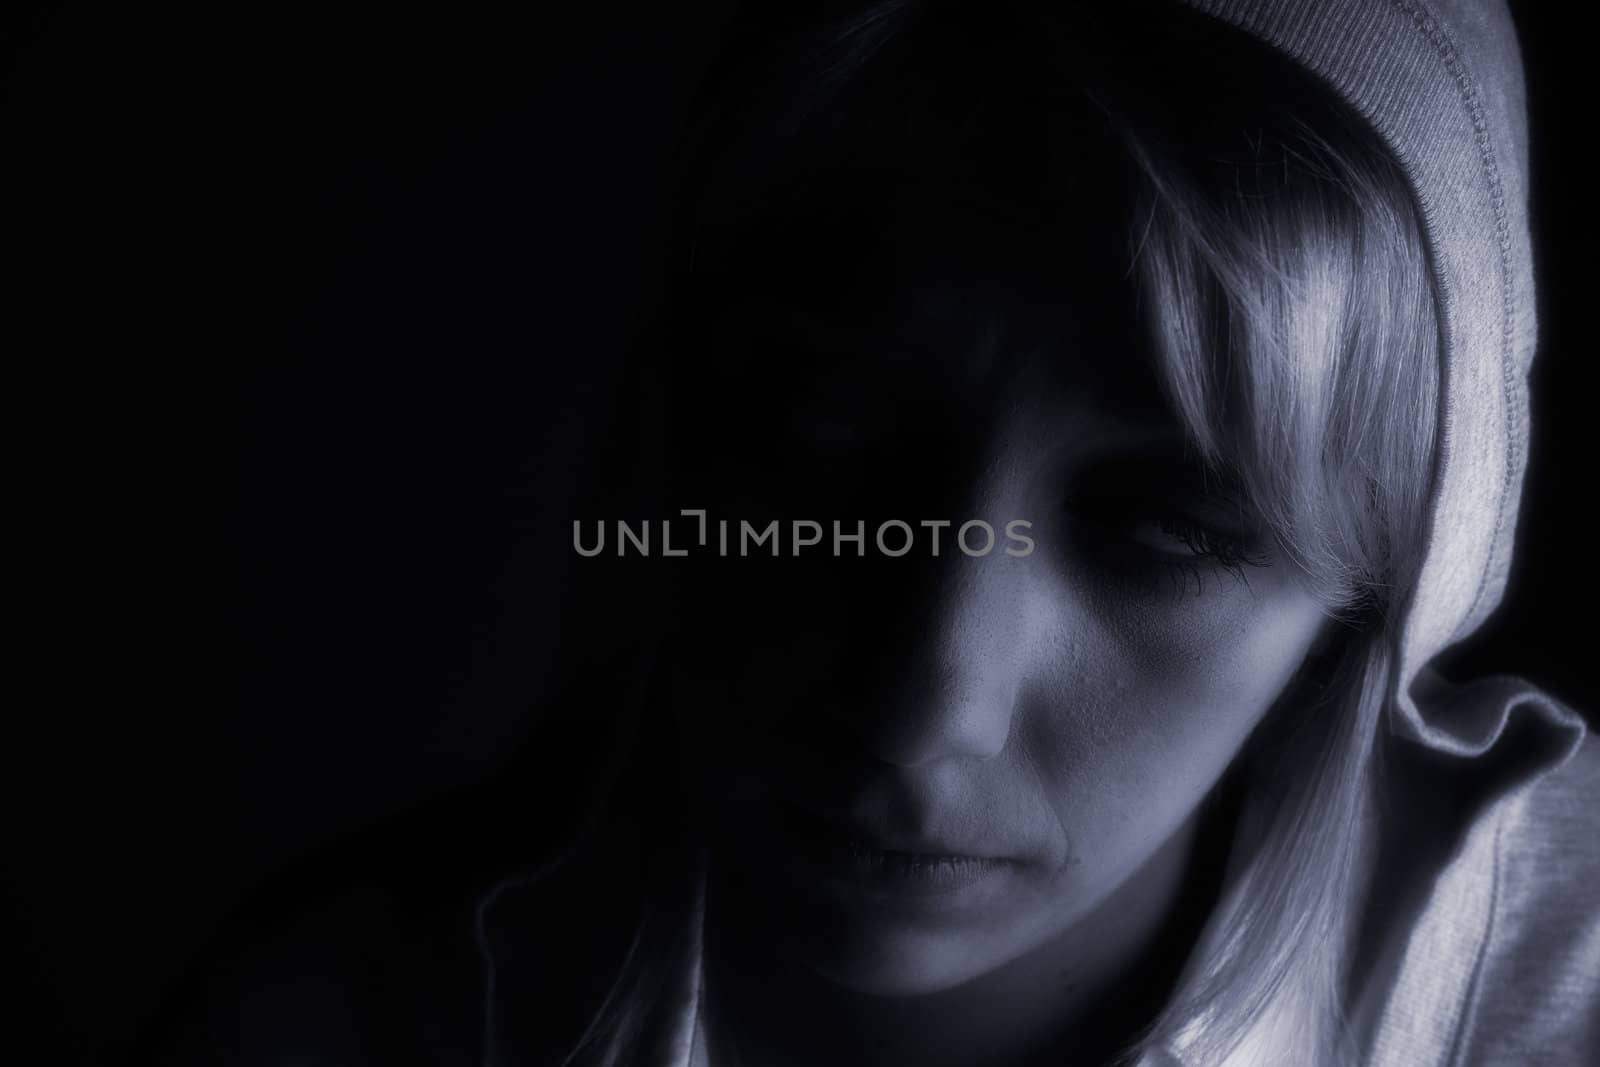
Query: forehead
(959,331)
(962,267)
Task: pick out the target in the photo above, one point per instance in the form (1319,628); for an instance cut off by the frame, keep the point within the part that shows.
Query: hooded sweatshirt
(1481,905)
(1479,912)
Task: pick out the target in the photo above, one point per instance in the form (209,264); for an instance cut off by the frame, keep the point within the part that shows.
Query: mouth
(847,855)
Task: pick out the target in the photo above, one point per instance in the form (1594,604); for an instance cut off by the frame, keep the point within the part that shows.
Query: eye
(1142,523)
(819,392)
(832,415)
(1177,550)
(1188,538)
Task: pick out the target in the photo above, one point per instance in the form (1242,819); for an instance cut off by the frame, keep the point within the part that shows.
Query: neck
(1081,997)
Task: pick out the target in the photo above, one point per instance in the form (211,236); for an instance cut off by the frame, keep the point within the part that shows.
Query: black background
(314,302)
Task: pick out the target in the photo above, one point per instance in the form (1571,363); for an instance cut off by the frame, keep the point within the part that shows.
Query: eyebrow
(1177,473)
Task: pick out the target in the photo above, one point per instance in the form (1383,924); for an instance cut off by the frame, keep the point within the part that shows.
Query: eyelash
(1209,549)
(1111,522)
(1204,541)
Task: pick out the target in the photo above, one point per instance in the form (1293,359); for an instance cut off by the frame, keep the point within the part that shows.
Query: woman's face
(926,766)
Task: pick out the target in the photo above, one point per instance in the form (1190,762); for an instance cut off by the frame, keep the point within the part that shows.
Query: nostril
(942,711)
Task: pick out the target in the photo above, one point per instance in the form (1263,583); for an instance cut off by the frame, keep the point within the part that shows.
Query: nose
(951,689)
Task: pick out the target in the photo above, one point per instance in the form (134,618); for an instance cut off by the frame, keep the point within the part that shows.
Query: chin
(889,949)
(897,964)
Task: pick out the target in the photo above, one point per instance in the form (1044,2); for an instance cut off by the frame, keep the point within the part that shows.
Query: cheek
(1139,720)
(1215,663)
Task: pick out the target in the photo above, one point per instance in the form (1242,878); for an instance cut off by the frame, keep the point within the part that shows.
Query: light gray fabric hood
(1441,83)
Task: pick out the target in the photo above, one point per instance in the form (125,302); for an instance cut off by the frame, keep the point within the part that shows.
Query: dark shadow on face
(935,762)
(925,766)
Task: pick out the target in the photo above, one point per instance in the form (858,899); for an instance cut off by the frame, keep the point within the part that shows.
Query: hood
(1441,84)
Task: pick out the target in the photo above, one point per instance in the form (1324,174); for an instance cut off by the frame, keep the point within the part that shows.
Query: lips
(883,863)
(870,838)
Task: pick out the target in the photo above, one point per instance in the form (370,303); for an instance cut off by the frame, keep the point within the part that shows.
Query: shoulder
(365,953)
(386,952)
(1483,908)
(1537,993)
(361,977)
